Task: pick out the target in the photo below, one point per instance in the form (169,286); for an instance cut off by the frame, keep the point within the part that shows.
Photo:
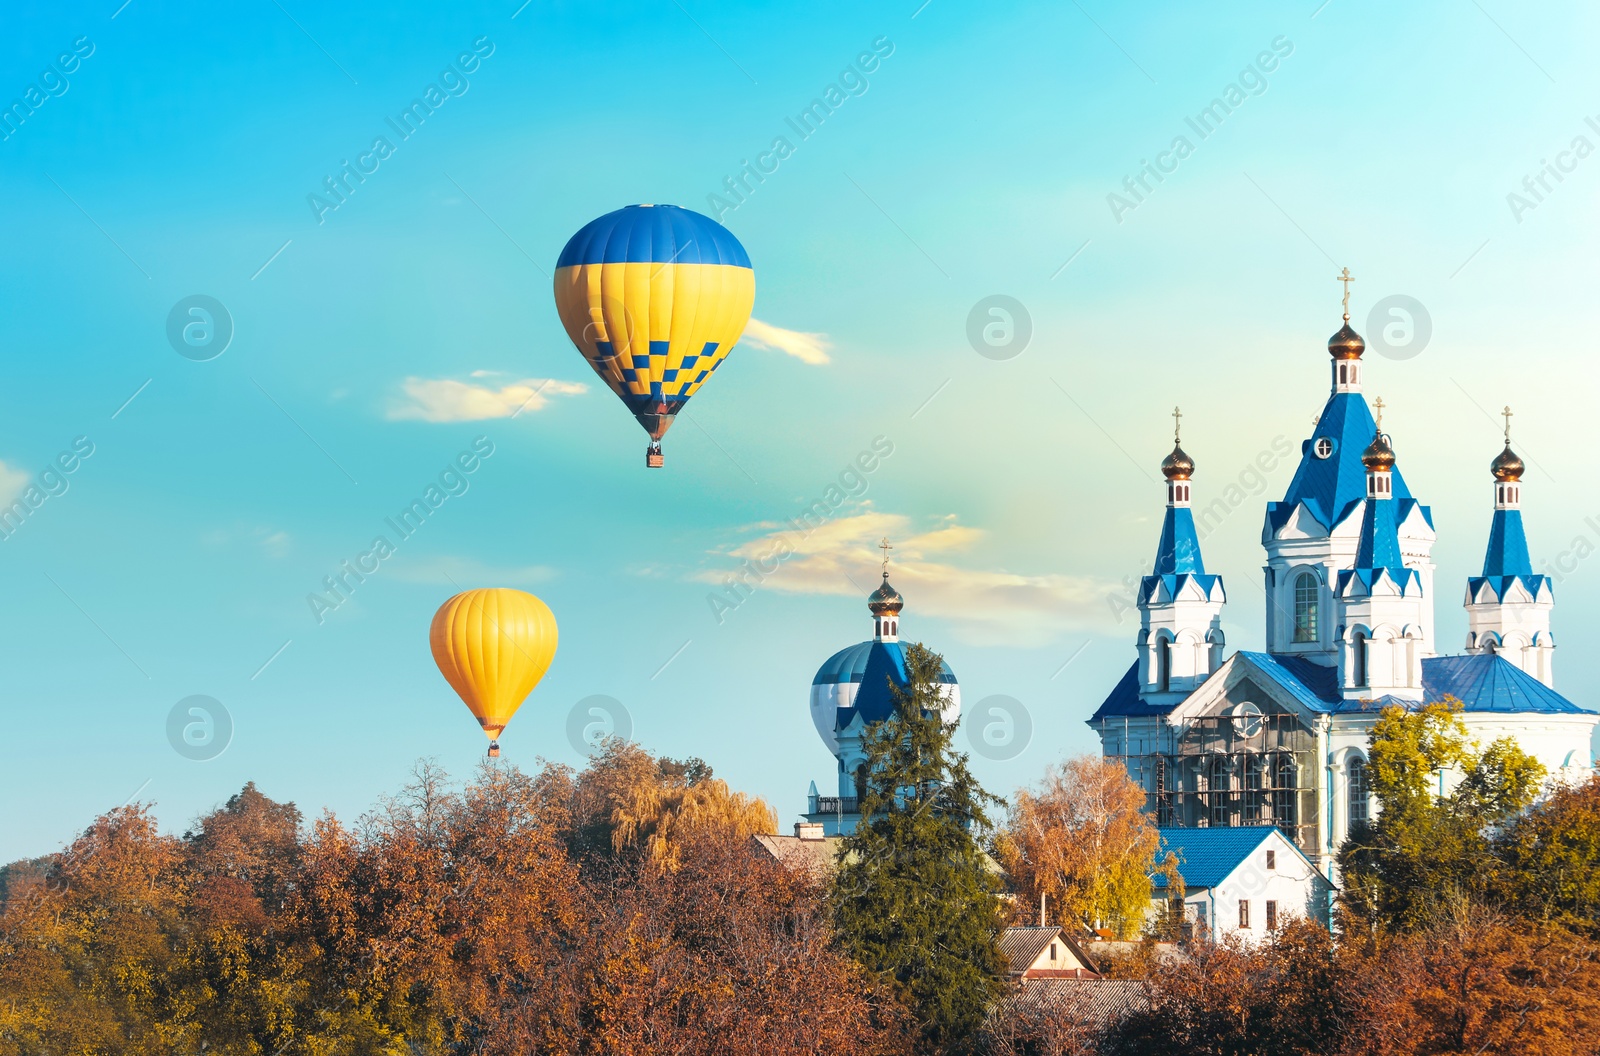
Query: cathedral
(1279,737)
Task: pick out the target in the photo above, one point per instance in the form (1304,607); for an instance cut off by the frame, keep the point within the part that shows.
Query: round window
(1246,719)
(1324,447)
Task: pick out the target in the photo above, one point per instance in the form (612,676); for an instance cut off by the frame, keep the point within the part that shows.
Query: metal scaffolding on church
(1246,768)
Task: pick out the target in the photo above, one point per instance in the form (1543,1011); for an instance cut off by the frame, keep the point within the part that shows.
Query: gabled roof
(1021,947)
(1102,1002)
(1206,857)
(1330,486)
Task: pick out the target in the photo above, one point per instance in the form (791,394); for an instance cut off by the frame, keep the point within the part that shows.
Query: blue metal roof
(1481,682)
(1508,546)
(1330,486)
(1124,699)
(1486,682)
(1175,582)
(1179,549)
(1206,857)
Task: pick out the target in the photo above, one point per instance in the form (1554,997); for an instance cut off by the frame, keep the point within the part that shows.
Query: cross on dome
(1345,277)
(885,546)
(1177,425)
(1506,414)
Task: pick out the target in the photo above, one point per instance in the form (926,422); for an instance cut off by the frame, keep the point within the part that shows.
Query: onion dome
(885,601)
(1178,465)
(1378,455)
(1346,344)
(1507,466)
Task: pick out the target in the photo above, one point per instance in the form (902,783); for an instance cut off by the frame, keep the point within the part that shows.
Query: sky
(976,151)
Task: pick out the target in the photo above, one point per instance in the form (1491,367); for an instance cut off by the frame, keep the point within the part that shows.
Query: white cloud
(449,400)
(988,606)
(807,348)
(12,481)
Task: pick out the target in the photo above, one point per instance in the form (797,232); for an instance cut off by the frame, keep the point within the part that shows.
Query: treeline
(625,908)
(620,909)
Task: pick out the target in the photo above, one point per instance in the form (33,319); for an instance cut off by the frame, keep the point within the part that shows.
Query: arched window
(1163,664)
(1306,595)
(1358,651)
(1360,793)
(861,784)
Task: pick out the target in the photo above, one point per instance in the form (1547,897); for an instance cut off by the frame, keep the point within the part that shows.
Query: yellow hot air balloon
(655,297)
(493,645)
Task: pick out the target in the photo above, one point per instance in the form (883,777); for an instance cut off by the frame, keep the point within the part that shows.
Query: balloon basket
(653,458)
(494,749)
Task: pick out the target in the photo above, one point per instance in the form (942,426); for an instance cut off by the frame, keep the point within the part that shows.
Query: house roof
(1022,946)
(1206,857)
(817,857)
(1096,1002)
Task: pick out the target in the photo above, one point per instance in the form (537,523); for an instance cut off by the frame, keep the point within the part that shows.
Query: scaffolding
(1231,770)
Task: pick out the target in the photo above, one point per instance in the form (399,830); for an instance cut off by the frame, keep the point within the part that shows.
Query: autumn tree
(1552,860)
(1081,839)
(917,901)
(1431,843)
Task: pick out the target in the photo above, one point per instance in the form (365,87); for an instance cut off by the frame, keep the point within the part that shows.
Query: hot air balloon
(493,646)
(655,297)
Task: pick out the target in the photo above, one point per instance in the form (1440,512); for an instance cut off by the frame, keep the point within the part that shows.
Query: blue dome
(653,234)
(850,665)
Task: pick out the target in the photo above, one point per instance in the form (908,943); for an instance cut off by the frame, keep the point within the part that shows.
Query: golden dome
(885,601)
(1178,465)
(1346,344)
(1378,455)
(1507,466)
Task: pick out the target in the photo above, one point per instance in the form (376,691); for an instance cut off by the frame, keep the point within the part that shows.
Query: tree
(917,901)
(1552,859)
(1427,845)
(1081,838)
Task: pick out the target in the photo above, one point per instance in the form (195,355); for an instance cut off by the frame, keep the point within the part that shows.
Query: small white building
(1242,881)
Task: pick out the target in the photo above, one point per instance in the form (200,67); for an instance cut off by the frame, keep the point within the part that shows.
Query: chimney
(808,830)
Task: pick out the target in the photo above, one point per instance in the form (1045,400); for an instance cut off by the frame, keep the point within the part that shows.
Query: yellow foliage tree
(1080,839)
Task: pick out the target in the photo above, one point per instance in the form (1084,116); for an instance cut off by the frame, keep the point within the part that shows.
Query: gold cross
(1379,405)
(1345,277)
(1177,424)
(885,547)
(1506,414)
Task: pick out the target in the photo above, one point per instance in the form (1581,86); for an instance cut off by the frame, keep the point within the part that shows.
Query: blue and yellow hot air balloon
(655,297)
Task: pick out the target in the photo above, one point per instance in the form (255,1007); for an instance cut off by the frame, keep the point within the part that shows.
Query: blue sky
(177,157)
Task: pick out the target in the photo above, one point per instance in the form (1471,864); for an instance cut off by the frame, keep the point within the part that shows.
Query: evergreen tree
(916,899)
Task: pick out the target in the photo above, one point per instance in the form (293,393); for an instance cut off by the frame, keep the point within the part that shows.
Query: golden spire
(1345,277)
(885,546)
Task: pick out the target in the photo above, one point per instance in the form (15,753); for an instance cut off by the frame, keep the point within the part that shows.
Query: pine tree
(916,899)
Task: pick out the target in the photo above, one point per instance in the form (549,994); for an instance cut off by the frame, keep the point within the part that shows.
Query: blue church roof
(1330,486)
(1482,682)
(1179,549)
(1508,546)
(1206,857)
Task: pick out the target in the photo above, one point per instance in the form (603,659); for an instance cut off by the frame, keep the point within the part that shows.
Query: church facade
(1279,737)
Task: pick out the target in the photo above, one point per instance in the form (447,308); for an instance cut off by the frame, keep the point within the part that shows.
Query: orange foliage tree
(1081,839)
